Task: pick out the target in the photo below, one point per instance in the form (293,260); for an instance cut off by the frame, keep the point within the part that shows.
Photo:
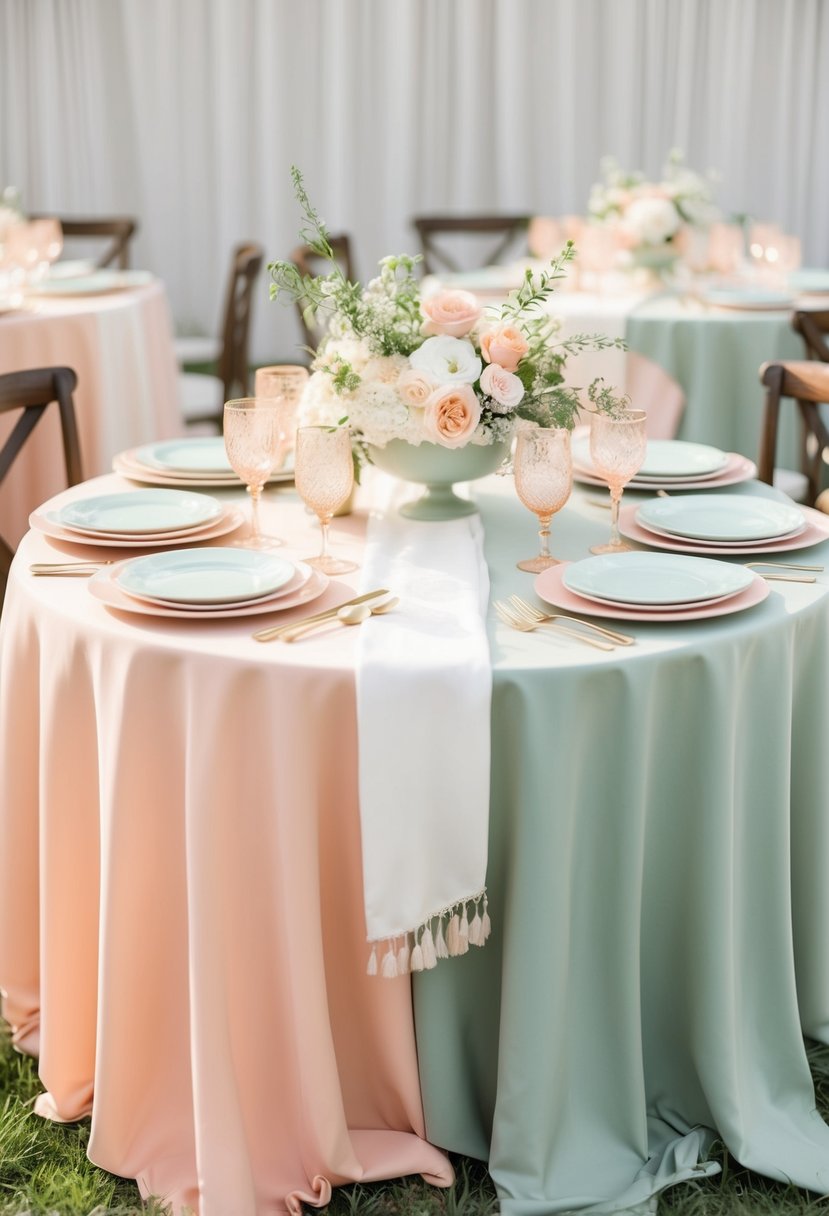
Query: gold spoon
(349,614)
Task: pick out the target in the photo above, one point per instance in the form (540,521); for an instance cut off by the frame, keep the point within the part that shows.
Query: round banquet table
(182,935)
(120,344)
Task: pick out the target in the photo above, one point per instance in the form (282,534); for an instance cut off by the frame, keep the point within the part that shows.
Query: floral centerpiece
(651,217)
(409,370)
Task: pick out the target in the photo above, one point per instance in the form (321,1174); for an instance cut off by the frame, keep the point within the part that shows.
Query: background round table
(120,344)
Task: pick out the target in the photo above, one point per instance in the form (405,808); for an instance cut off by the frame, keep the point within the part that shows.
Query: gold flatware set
(523,616)
(375,603)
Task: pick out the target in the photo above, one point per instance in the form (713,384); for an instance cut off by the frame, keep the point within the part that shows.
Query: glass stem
(544,535)
(255,494)
(325,520)
(615,500)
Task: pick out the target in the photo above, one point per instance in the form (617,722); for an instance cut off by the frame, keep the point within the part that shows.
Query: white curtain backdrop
(188,114)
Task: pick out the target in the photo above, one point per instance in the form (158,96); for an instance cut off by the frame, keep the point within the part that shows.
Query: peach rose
(502,386)
(505,345)
(415,387)
(450,312)
(451,415)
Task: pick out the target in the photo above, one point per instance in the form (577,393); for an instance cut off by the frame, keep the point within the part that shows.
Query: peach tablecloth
(120,344)
(182,936)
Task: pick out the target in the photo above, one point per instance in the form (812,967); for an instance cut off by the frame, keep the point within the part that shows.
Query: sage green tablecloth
(657,878)
(716,355)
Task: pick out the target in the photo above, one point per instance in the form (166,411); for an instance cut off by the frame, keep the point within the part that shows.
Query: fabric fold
(424,685)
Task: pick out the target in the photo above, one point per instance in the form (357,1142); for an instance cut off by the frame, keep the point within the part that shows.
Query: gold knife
(268,635)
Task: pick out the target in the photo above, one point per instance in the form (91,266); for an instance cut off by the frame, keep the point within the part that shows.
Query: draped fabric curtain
(189,113)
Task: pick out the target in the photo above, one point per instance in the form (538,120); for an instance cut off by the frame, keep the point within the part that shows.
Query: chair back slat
(32,392)
(118,231)
(813,328)
(436,258)
(807,384)
(233,360)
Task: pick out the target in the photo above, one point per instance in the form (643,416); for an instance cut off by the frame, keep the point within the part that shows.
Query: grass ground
(44,1170)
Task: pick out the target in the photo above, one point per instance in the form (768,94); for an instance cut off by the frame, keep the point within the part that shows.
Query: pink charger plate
(126,465)
(739,468)
(816,531)
(230,519)
(549,586)
(104,588)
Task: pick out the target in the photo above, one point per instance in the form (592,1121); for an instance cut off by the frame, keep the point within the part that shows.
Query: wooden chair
(813,328)
(202,396)
(807,383)
(32,392)
(436,260)
(309,263)
(118,231)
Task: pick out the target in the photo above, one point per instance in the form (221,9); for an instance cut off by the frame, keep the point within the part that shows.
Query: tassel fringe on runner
(421,948)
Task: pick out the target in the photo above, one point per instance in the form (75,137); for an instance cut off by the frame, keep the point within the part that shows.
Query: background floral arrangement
(439,369)
(652,213)
(11,212)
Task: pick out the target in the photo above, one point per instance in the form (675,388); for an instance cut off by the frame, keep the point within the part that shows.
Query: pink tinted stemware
(324,477)
(618,444)
(254,432)
(543,481)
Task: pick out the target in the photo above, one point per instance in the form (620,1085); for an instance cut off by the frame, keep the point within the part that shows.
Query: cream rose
(502,386)
(505,345)
(451,415)
(450,312)
(416,387)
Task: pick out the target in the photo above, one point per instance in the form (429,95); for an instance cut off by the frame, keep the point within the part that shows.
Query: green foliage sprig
(386,313)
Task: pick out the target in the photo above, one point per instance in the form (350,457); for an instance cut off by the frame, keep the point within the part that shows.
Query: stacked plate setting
(186,463)
(723,524)
(748,298)
(670,464)
(78,279)
(139,519)
(206,584)
(651,587)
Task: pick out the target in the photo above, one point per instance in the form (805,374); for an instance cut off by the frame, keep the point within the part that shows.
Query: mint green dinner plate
(206,576)
(655,579)
(139,512)
(721,517)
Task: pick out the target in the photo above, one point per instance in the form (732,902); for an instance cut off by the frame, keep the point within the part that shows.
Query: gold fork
(785,578)
(536,615)
(522,623)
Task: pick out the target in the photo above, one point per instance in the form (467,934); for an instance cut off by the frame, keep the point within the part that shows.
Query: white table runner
(424,684)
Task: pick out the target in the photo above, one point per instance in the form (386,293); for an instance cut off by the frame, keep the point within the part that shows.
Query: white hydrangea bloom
(376,411)
(385,368)
(652,221)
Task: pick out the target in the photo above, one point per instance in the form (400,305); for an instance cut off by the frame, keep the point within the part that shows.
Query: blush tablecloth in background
(120,343)
(181,920)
